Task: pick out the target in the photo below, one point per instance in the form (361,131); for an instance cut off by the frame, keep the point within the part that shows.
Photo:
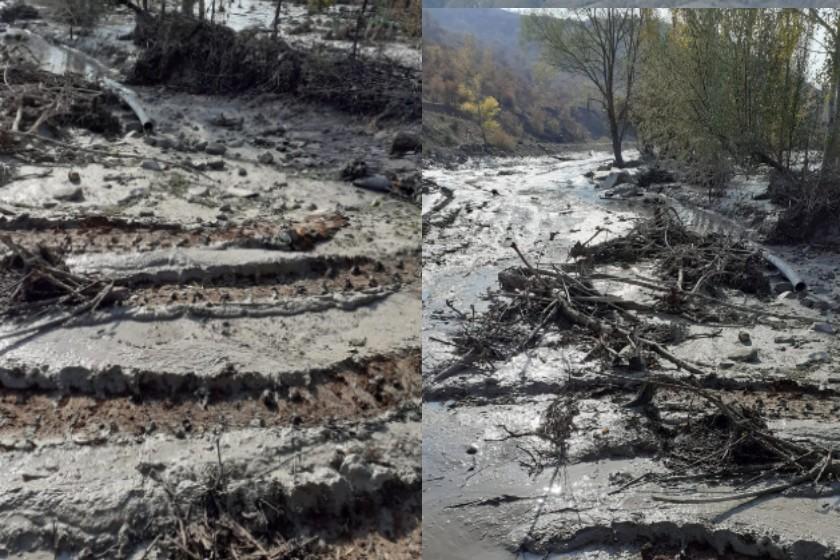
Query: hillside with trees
(487,87)
(748,88)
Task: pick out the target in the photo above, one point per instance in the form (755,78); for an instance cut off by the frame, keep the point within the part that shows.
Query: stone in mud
(814,301)
(266,158)
(74,177)
(216,165)
(151,165)
(405,142)
(613,179)
(242,172)
(624,190)
(216,149)
(378,183)
(166,143)
(355,169)
(242,193)
(815,358)
(825,328)
(750,357)
(69,194)
(744,338)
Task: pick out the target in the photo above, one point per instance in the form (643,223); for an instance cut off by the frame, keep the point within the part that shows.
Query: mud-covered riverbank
(496,486)
(241,326)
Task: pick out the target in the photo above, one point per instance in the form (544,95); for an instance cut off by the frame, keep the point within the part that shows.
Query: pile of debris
(35,99)
(204,57)
(208,58)
(694,262)
(18,11)
(810,203)
(222,517)
(631,339)
(36,282)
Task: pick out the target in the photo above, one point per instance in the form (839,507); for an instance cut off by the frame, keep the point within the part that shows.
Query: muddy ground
(260,339)
(494,486)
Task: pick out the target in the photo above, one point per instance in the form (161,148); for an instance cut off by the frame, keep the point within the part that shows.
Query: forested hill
(480,52)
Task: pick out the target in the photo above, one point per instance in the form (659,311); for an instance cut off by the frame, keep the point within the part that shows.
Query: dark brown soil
(352,392)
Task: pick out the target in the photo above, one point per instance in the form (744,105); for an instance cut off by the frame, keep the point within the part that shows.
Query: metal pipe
(130,98)
(787,271)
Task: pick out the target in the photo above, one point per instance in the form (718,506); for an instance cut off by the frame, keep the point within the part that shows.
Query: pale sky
(817,57)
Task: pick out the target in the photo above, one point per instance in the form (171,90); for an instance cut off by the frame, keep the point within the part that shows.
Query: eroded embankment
(559,439)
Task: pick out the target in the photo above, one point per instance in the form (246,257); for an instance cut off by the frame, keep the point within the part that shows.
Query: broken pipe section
(792,276)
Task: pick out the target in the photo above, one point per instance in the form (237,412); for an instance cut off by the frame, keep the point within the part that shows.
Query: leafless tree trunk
(601,44)
(201,9)
(187,7)
(276,22)
(359,21)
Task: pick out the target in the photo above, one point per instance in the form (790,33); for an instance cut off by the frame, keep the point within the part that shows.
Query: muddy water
(544,206)
(541,204)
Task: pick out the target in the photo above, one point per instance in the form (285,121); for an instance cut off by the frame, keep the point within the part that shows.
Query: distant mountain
(499,29)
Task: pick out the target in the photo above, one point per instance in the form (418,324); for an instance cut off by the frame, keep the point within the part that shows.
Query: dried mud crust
(352,391)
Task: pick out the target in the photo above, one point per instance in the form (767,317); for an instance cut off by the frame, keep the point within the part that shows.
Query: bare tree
(830,23)
(359,23)
(601,44)
(276,22)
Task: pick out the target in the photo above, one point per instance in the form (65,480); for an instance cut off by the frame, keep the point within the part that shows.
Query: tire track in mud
(352,391)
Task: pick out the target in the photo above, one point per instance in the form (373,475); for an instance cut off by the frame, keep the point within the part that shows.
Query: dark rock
(355,169)
(216,149)
(378,183)
(750,357)
(825,328)
(613,179)
(654,175)
(405,142)
(151,165)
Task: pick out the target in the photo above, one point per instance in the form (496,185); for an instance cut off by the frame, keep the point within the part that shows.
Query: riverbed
(479,499)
